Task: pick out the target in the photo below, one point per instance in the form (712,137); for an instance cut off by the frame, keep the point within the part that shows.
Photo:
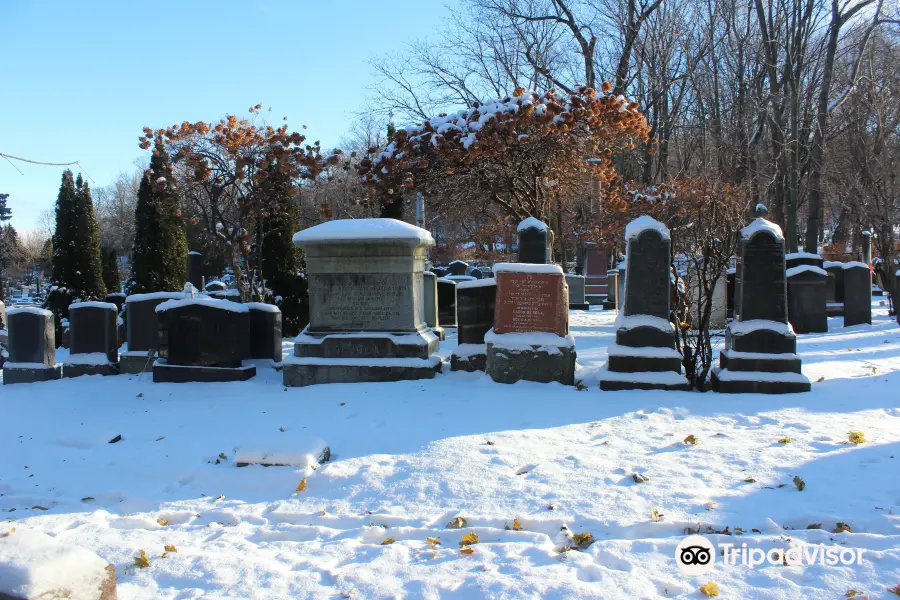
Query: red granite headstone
(596,282)
(529,302)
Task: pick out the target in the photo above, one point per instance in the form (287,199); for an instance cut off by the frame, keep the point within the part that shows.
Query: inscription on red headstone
(531,302)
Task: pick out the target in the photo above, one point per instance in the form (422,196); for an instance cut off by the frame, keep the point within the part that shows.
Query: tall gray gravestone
(644,355)
(93,340)
(611,302)
(475,305)
(534,242)
(577,300)
(32,348)
(834,289)
(857,294)
(366,320)
(807,284)
(760,345)
(265,331)
(142,330)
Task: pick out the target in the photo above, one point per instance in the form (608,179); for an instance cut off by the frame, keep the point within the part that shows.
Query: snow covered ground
(526,465)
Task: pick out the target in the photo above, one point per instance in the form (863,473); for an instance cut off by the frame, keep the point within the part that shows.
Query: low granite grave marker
(475,302)
(93,340)
(32,346)
(577,301)
(857,294)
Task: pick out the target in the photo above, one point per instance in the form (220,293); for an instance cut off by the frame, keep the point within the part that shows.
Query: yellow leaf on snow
(691,439)
(301,487)
(709,589)
(433,542)
(857,437)
(163,522)
(142,560)
(517,526)
(388,541)
(469,539)
(171,548)
(466,550)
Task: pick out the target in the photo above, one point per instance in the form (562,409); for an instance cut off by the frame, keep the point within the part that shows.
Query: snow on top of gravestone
(854,264)
(262,307)
(194,253)
(532,223)
(804,268)
(103,305)
(744,327)
(35,565)
(795,255)
(761,224)
(364,230)
(642,224)
(527,268)
(459,262)
(458,278)
(28,309)
(205,300)
(635,321)
(830,264)
(87,358)
(475,283)
(527,340)
(154,296)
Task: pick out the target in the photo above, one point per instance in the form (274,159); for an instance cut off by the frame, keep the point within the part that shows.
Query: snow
(830,264)
(466,351)
(760,224)
(400,339)
(262,307)
(528,340)
(116,294)
(361,230)
(643,223)
(194,253)
(205,300)
(855,264)
(87,358)
(462,285)
(532,223)
(407,457)
(643,352)
(728,375)
(35,565)
(26,365)
(154,296)
(103,305)
(744,327)
(459,262)
(34,310)
(634,321)
(292,450)
(527,268)
(759,355)
(363,362)
(804,269)
(807,255)
(458,278)
(652,377)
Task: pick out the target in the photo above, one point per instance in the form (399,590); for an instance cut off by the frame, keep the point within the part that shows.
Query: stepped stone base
(30,375)
(131,363)
(581,306)
(470,360)
(509,365)
(764,364)
(639,364)
(774,370)
(79,370)
(300,372)
(164,373)
(750,386)
(618,386)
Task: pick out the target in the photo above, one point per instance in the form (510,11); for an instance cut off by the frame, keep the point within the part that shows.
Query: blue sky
(78,80)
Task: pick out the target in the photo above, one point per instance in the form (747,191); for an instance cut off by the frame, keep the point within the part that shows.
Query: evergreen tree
(111,271)
(77,270)
(5,213)
(5,246)
(160,250)
(281,262)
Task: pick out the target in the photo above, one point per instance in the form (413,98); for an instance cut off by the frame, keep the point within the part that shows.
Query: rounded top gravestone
(647,285)
(762,285)
(534,242)
(365,275)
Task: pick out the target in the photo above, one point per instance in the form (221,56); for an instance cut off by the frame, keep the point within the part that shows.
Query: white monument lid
(360,230)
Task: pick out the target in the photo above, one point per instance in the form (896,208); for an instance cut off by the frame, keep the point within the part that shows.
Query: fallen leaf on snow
(469,539)
(116,439)
(583,540)
(466,550)
(814,526)
(784,440)
(691,439)
(433,542)
(301,487)
(709,590)
(801,485)
(171,548)
(639,478)
(842,527)
(163,522)
(388,541)
(517,525)
(656,515)
(457,523)
(142,561)
(857,437)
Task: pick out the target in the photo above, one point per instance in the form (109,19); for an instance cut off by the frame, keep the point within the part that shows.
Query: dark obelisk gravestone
(475,306)
(857,294)
(644,355)
(195,269)
(446,295)
(760,339)
(93,340)
(534,242)
(32,348)
(265,331)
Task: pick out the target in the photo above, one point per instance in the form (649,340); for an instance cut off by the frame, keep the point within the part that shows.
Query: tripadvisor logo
(695,555)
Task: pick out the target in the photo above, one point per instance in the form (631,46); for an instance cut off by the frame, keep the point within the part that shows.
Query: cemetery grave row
(377,314)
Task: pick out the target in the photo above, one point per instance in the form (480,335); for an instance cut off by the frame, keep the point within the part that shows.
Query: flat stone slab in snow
(35,566)
(283,451)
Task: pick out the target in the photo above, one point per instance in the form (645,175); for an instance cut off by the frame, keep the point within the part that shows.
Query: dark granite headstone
(195,269)
(611,301)
(32,347)
(116,298)
(265,331)
(857,295)
(458,267)
(92,329)
(762,288)
(806,300)
(577,300)
(534,242)
(476,273)
(142,323)
(475,311)
(202,334)
(647,288)
(215,286)
(446,291)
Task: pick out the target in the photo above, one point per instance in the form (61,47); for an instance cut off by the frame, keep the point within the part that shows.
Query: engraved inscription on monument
(530,302)
(360,302)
